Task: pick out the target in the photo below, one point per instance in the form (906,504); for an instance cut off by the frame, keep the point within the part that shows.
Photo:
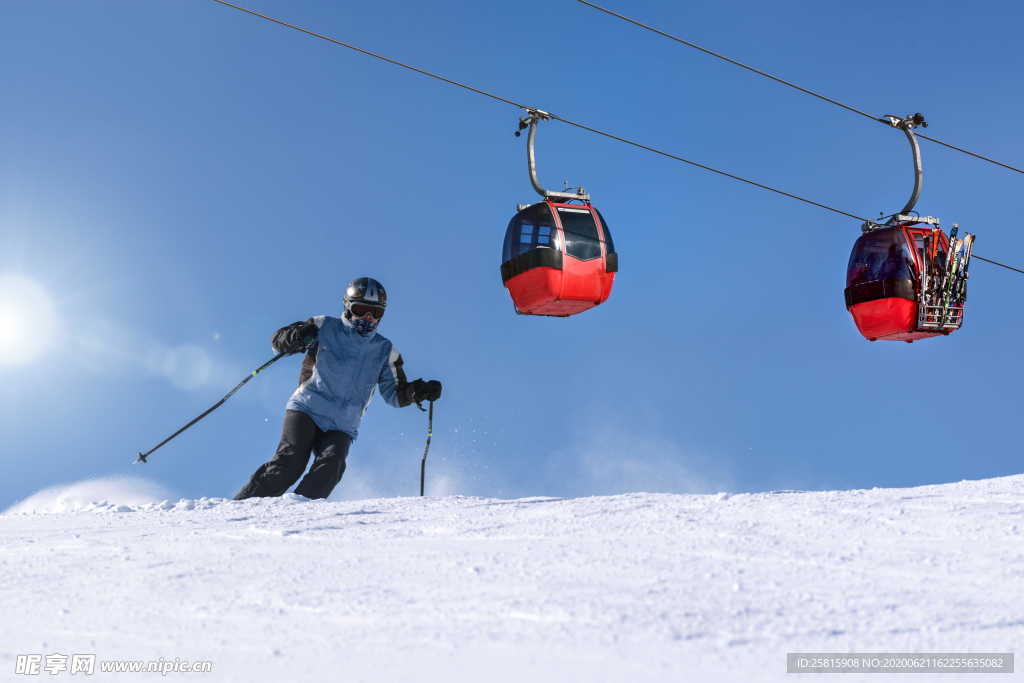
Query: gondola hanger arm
(907,124)
(532,118)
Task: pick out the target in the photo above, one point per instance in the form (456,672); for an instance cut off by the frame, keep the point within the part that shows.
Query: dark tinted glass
(879,255)
(581,239)
(607,233)
(531,228)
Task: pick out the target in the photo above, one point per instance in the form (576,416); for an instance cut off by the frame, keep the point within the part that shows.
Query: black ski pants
(299,436)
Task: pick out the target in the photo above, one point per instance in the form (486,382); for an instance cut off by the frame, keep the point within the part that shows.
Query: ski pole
(430,433)
(142,456)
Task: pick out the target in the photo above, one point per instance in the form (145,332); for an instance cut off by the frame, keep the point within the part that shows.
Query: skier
(345,359)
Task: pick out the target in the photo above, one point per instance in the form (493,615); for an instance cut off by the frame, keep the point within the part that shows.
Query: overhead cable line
(788,83)
(576,124)
(548,114)
(371,54)
(997,263)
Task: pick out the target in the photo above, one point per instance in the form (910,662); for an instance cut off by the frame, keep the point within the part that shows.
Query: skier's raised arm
(297,336)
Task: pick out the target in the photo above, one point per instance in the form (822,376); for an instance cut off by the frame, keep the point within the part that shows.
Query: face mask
(363,326)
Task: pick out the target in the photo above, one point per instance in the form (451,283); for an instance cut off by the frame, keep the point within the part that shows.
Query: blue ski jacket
(341,372)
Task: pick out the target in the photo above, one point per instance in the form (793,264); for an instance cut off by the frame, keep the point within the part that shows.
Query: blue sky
(179,179)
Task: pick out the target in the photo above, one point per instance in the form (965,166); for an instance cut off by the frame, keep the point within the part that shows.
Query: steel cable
(790,84)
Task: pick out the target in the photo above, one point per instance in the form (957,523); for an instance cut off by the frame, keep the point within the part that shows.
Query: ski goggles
(360,311)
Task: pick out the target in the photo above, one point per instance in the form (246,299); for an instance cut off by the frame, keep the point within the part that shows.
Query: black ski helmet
(364,290)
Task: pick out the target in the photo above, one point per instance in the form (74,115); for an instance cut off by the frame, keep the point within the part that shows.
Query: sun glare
(27,320)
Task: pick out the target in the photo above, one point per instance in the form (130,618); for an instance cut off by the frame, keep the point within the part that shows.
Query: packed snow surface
(635,587)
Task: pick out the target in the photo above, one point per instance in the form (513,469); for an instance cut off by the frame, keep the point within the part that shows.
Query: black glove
(425,391)
(296,337)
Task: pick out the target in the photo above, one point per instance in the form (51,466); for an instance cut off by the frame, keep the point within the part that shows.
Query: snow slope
(637,587)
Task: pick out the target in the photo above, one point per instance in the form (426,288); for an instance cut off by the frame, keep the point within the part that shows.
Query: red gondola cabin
(902,284)
(558,259)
